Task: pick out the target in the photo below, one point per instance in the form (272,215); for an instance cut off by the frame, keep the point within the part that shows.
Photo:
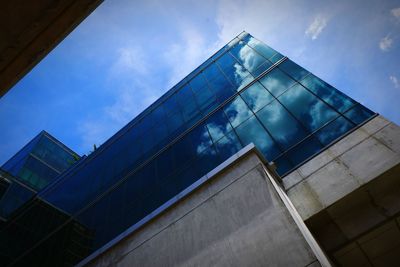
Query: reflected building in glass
(245,93)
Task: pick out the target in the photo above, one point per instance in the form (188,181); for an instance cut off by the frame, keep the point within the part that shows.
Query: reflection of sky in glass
(237,111)
(333,130)
(281,125)
(276,81)
(251,131)
(312,112)
(294,70)
(218,125)
(329,94)
(256,96)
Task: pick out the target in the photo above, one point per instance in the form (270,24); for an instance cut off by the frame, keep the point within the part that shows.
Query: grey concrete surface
(235,219)
(352,162)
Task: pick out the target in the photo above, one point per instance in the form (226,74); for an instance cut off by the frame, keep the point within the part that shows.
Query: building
(31,169)
(249,160)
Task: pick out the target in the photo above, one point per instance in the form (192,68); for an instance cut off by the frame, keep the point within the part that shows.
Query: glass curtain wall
(245,93)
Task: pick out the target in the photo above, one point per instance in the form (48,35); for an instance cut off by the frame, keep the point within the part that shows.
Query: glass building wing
(245,93)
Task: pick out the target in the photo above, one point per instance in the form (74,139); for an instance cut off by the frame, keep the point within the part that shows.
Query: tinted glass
(329,94)
(277,82)
(307,108)
(333,130)
(281,125)
(359,114)
(251,131)
(256,96)
(294,70)
(237,111)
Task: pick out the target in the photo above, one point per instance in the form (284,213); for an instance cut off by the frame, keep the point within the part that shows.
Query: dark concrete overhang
(29,30)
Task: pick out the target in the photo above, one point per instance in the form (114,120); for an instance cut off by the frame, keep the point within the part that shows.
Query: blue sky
(128,53)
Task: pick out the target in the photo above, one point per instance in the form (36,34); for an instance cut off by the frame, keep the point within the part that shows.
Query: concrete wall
(234,219)
(355,160)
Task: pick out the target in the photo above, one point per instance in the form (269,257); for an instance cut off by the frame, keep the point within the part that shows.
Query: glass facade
(31,169)
(245,93)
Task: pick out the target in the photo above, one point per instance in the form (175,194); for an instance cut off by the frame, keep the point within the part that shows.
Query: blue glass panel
(200,138)
(261,69)
(303,151)
(198,83)
(294,70)
(165,163)
(207,160)
(283,165)
(238,76)
(171,105)
(276,58)
(226,61)
(251,131)
(237,111)
(281,125)
(256,96)
(277,82)
(221,87)
(212,72)
(358,114)
(328,93)
(218,125)
(158,114)
(261,48)
(175,122)
(228,145)
(249,58)
(307,108)
(333,130)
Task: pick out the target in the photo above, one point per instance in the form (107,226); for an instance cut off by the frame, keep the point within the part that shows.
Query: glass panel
(277,82)
(256,96)
(251,131)
(283,165)
(238,76)
(237,111)
(249,58)
(261,48)
(171,105)
(328,93)
(333,130)
(281,125)
(218,125)
(221,87)
(359,114)
(228,145)
(200,138)
(293,69)
(304,150)
(307,108)
(226,61)
(174,121)
(276,58)
(261,69)
(212,71)
(198,83)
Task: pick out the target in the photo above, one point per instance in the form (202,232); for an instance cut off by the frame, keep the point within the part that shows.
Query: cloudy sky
(128,53)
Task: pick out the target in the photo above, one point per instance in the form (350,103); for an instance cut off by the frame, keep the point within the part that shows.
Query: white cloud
(317,26)
(187,53)
(396,12)
(386,43)
(131,59)
(395,81)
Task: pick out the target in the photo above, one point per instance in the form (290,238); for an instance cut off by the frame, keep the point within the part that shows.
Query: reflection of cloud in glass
(204,144)
(237,111)
(256,96)
(261,48)
(328,93)
(306,107)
